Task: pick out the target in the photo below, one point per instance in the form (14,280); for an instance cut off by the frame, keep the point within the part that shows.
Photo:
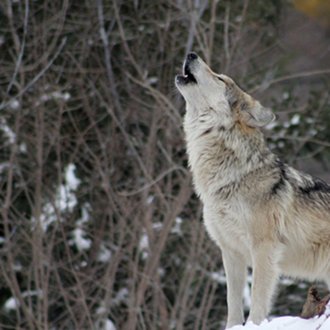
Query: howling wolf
(261,212)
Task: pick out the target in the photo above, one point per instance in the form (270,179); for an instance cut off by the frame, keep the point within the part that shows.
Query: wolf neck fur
(215,154)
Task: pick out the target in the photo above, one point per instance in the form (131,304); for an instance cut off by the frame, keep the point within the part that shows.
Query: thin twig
(39,75)
(107,56)
(22,47)
(153,182)
(226,34)
(267,84)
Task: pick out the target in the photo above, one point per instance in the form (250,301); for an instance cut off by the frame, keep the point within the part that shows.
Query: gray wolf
(261,212)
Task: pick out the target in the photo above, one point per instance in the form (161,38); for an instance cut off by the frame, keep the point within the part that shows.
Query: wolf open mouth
(187,74)
(187,77)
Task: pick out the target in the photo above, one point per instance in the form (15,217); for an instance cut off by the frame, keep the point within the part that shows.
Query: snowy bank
(291,323)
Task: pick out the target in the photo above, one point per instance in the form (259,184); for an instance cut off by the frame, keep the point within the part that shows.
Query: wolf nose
(192,56)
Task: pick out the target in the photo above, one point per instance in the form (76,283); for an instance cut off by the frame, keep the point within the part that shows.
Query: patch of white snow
(291,323)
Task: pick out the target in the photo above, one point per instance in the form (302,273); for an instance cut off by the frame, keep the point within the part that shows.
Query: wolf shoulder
(307,191)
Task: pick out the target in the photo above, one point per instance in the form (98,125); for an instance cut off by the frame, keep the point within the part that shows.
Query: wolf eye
(220,79)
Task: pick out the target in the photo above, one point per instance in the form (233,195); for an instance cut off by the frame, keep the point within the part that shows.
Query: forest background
(100,227)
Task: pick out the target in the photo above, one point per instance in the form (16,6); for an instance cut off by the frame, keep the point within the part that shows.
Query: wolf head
(217,97)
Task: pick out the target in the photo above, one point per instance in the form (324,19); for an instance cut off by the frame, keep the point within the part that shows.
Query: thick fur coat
(261,212)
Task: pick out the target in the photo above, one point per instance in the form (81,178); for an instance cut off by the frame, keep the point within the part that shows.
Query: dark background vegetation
(99,223)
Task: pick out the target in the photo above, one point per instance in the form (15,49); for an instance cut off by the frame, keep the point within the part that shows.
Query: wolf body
(261,212)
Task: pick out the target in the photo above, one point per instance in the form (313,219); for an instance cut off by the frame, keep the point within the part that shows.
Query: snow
(272,125)
(291,323)
(295,120)
(109,325)
(157,225)
(152,80)
(120,297)
(23,148)
(71,180)
(144,246)
(104,254)
(106,324)
(14,104)
(47,217)
(161,271)
(285,95)
(66,198)
(144,242)
(150,199)
(65,201)
(4,166)
(66,193)
(54,96)
(177,226)
(84,214)
(80,240)
(13,303)
(79,236)
(218,277)
(7,131)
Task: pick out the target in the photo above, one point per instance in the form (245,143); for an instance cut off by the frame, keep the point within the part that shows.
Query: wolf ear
(250,111)
(257,116)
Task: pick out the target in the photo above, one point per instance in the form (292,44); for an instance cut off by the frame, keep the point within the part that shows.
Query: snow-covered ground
(291,323)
